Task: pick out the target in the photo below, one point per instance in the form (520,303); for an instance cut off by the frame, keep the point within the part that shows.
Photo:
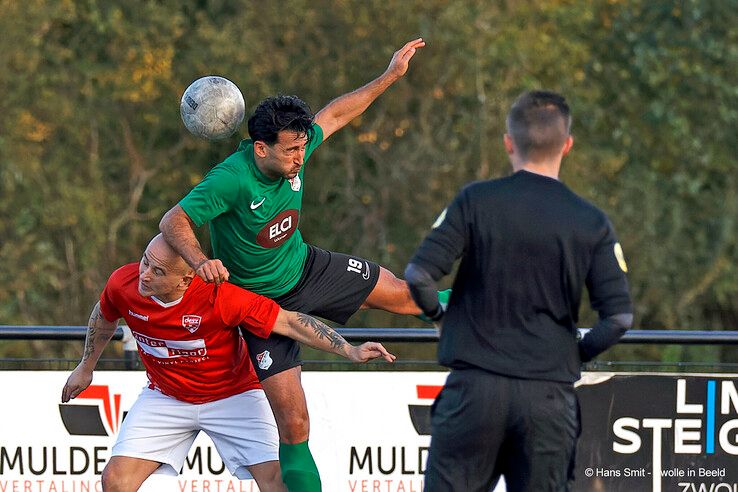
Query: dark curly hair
(278,113)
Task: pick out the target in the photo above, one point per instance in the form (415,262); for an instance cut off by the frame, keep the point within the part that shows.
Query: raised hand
(401,59)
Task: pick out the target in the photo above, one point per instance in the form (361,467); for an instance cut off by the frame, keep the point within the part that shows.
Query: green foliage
(92,151)
(665,107)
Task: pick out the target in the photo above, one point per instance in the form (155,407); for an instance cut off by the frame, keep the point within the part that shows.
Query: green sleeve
(315,141)
(217,193)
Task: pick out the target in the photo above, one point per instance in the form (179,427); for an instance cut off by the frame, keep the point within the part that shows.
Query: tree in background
(92,150)
(665,111)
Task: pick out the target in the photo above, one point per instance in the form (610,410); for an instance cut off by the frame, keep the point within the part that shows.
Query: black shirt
(528,246)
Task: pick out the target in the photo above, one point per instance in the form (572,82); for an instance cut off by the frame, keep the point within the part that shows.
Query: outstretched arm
(99,333)
(315,333)
(339,112)
(179,231)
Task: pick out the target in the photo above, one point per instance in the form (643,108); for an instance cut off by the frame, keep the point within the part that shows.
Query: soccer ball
(212,107)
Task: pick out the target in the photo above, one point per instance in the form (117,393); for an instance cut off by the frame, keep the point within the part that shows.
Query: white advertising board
(369,433)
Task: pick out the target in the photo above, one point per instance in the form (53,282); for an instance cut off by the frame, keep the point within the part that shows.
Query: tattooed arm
(99,333)
(315,333)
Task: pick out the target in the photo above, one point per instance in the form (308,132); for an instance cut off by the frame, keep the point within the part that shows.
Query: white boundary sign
(368,433)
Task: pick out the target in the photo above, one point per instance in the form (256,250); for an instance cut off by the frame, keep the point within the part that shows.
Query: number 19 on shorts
(358,266)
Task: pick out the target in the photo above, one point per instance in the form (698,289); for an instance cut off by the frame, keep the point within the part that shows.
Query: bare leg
(126,474)
(287,399)
(391,294)
(268,476)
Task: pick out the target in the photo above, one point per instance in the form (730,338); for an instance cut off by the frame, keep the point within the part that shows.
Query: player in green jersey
(252,202)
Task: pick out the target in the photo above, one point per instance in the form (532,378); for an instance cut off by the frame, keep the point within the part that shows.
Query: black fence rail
(384,335)
(682,337)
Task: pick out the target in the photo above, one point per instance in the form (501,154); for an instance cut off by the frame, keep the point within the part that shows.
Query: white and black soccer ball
(212,107)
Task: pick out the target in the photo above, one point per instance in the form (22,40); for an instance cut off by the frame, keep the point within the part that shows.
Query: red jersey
(191,348)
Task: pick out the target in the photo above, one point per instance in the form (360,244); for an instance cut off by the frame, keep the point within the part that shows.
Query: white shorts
(161,428)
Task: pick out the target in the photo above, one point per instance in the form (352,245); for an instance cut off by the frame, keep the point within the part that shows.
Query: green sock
(299,472)
(443,297)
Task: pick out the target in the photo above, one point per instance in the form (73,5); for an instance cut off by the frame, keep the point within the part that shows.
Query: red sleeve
(107,299)
(241,307)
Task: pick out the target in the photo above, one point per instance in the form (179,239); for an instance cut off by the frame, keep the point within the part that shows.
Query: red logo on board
(420,415)
(81,419)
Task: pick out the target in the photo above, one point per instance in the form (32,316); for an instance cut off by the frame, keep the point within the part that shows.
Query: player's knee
(115,480)
(293,423)
(293,435)
(294,427)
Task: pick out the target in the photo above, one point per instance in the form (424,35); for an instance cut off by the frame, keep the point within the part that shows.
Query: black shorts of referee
(485,425)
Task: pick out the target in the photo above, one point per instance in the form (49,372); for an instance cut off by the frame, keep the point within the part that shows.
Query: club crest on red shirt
(191,322)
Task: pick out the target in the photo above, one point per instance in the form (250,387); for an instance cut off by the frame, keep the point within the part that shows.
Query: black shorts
(332,286)
(485,425)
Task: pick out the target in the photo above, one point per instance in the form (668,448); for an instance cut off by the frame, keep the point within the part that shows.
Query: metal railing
(122,334)
(426,335)
(682,337)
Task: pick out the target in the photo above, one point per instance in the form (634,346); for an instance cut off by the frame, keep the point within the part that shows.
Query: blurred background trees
(92,150)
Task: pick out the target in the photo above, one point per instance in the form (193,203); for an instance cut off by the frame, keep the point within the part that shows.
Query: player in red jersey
(200,375)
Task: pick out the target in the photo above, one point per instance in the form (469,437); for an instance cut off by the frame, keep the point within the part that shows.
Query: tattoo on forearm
(91,333)
(322,330)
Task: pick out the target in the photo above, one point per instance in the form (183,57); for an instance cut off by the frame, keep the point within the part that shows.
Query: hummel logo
(139,316)
(255,205)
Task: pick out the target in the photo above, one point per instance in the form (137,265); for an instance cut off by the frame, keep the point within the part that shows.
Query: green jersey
(253,220)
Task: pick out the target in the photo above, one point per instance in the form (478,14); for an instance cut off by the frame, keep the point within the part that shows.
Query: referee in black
(528,245)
